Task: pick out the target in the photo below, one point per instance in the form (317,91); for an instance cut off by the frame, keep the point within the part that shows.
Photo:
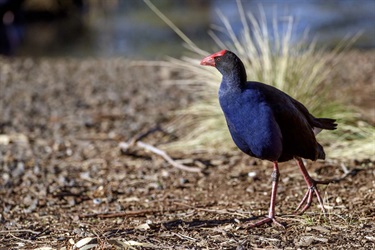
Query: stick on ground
(135,141)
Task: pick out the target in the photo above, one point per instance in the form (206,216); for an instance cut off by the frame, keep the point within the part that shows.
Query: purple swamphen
(268,124)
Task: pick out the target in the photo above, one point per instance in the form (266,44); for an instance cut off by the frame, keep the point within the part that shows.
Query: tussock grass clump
(270,56)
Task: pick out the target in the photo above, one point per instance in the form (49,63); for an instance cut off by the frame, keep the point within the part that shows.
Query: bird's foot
(309,195)
(264,221)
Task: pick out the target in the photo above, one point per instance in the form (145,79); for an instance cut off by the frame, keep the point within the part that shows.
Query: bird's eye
(218,58)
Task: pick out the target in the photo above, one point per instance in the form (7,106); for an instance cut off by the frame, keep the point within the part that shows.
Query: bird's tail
(325,123)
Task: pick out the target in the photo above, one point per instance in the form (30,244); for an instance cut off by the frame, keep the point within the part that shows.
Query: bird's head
(227,63)
(212,60)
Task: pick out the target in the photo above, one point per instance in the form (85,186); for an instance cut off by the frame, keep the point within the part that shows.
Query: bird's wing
(295,124)
(316,123)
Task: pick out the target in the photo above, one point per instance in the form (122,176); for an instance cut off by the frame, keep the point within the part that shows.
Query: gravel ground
(66,184)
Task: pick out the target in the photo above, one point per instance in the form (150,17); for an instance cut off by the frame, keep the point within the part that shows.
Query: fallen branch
(135,141)
(121,214)
(140,144)
(346,173)
(19,231)
(217,211)
(144,212)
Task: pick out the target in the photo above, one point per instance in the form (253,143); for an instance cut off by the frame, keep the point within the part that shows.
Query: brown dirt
(64,178)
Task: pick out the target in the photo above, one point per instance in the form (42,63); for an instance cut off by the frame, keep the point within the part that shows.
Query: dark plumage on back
(265,122)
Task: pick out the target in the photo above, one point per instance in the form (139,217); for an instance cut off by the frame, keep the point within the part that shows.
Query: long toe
(264,221)
(308,193)
(312,188)
(307,200)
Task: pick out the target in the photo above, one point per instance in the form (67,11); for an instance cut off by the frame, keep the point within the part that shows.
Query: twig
(219,211)
(125,146)
(142,135)
(19,231)
(135,213)
(346,173)
(136,141)
(184,237)
(18,238)
(142,212)
(345,169)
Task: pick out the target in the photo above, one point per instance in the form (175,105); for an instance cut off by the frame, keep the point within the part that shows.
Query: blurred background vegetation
(293,45)
(275,51)
(128,28)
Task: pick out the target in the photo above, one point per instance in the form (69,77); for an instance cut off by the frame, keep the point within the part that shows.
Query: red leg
(271,212)
(311,184)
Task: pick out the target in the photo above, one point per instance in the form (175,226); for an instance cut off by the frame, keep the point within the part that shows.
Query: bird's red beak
(210,60)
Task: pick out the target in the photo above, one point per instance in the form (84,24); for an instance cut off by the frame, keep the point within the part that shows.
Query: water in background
(128,28)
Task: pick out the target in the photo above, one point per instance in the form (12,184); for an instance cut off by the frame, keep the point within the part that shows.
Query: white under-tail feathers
(317,130)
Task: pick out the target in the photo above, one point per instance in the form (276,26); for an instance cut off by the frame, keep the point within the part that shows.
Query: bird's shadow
(196,223)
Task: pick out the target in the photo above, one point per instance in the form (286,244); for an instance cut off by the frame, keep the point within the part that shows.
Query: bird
(268,124)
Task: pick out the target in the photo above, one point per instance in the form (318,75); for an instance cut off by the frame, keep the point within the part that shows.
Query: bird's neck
(235,78)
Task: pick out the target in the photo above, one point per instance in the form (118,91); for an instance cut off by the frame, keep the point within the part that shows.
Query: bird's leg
(271,213)
(311,184)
